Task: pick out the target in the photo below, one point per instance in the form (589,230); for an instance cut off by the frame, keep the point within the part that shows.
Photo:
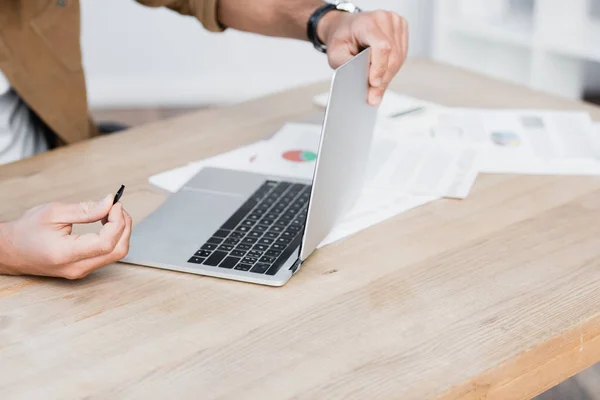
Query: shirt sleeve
(204,10)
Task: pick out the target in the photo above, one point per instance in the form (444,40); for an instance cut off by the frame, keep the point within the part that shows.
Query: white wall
(137,56)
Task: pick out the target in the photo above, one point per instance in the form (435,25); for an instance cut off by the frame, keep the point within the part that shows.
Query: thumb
(84,212)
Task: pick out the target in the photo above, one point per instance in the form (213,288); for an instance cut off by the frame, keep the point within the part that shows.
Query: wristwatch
(313,21)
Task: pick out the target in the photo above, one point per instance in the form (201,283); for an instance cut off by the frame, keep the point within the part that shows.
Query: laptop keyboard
(262,234)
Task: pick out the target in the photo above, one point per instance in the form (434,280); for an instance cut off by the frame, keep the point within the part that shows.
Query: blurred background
(154,57)
(153,63)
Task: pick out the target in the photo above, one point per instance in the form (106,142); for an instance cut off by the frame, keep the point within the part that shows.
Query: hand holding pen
(42,242)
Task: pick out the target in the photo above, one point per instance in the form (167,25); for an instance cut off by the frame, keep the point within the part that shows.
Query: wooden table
(496,296)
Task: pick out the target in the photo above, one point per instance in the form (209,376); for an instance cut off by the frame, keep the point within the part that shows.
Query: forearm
(281,18)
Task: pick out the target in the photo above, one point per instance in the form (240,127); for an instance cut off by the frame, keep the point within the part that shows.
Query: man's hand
(41,241)
(344,34)
(385,32)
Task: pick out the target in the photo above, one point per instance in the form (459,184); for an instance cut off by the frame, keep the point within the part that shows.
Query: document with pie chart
(291,152)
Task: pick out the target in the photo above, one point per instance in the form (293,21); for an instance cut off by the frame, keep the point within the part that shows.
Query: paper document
(291,152)
(363,218)
(512,141)
(428,169)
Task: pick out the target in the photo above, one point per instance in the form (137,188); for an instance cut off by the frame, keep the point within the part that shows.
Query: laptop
(261,229)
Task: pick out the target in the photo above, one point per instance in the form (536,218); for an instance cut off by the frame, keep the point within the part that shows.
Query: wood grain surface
(492,297)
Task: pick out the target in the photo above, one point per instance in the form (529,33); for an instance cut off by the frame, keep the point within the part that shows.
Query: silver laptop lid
(343,152)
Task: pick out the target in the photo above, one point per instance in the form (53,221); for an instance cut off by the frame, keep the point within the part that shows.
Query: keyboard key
(225,247)
(282,204)
(278,246)
(260,247)
(209,246)
(215,259)
(254,217)
(214,240)
(281,222)
(297,222)
(249,240)
(221,233)
(248,222)
(277,210)
(282,187)
(262,209)
(265,241)
(298,187)
(241,212)
(267,221)
(273,253)
(271,216)
(196,260)
(249,260)
(231,241)
(238,253)
(276,229)
(294,228)
(243,267)
(260,268)
(289,234)
(243,247)
(271,235)
(267,259)
(254,234)
(255,254)
(261,228)
(203,253)
(229,262)
(243,229)
(281,240)
(236,235)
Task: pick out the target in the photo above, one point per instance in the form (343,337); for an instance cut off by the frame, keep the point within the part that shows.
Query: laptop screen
(343,151)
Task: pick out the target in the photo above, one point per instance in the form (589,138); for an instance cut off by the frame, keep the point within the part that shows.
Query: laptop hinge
(294,268)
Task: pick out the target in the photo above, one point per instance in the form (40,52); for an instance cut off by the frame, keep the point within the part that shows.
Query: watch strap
(313,21)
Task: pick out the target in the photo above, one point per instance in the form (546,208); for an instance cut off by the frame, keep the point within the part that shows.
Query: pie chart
(299,155)
(506,139)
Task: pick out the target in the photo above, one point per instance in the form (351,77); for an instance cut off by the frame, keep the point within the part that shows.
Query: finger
(392,25)
(81,213)
(91,245)
(385,21)
(372,36)
(82,268)
(404,37)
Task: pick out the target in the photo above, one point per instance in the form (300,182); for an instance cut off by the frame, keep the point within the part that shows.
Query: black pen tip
(119,194)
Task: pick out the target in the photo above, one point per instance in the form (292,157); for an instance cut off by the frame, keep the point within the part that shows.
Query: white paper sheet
(364,217)
(291,152)
(512,141)
(428,168)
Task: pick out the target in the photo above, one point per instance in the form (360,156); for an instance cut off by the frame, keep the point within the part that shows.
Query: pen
(406,112)
(119,194)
